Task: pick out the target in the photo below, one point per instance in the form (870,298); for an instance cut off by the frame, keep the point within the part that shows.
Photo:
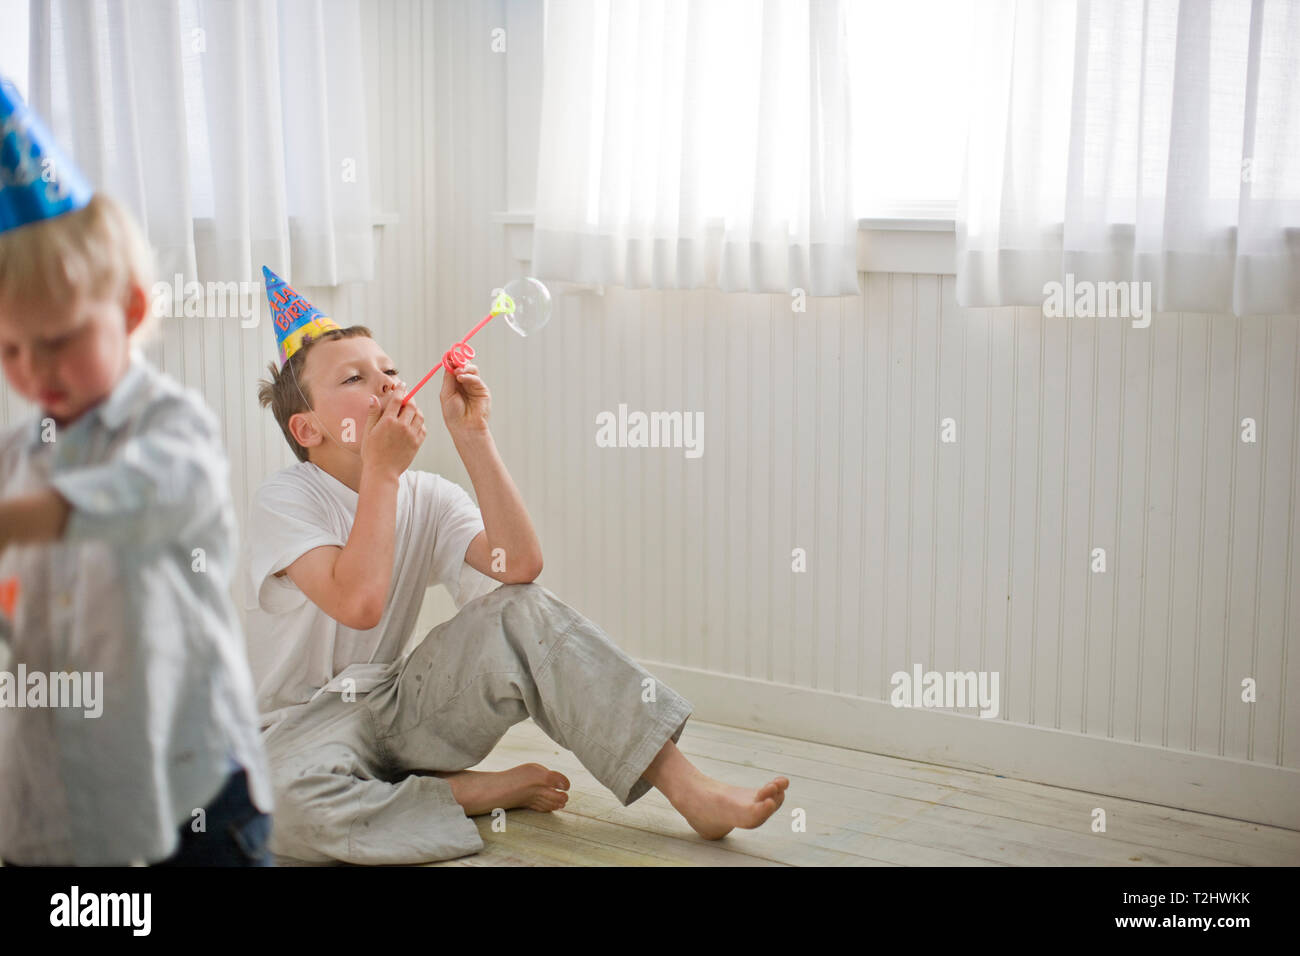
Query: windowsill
(924,246)
(917,245)
(902,224)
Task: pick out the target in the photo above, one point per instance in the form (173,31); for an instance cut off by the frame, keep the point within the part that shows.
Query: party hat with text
(294,317)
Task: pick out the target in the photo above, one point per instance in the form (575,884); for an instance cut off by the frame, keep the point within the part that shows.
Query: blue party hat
(294,316)
(37,180)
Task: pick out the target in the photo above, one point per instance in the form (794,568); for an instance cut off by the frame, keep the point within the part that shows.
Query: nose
(38,364)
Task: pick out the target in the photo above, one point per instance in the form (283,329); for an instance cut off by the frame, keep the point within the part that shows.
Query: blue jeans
(235,832)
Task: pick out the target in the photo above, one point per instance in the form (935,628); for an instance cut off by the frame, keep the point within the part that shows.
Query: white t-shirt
(296,650)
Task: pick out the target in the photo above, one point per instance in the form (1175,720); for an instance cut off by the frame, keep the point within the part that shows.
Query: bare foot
(714,808)
(529,785)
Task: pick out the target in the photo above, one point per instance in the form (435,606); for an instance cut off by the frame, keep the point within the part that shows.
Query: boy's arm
(168,475)
(351,583)
(33,519)
(505,518)
(329,575)
(506,523)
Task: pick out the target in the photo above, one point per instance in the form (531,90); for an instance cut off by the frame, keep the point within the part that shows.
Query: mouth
(49,398)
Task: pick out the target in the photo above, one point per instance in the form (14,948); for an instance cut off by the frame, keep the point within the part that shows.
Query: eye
(391,371)
(351,379)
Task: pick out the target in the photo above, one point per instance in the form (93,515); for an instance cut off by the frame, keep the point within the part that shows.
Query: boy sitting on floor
(369,749)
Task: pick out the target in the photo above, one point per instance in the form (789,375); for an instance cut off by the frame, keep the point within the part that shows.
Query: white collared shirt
(137,590)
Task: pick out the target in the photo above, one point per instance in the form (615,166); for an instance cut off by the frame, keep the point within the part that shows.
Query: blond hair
(97,251)
(287,393)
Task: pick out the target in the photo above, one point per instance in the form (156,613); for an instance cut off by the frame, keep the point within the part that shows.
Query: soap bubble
(531,303)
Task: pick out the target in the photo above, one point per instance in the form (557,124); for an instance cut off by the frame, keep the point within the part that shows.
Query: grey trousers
(347,774)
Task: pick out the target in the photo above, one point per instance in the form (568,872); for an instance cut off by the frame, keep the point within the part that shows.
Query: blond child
(131,736)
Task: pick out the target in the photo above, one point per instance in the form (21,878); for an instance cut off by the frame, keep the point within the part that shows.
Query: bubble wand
(527,310)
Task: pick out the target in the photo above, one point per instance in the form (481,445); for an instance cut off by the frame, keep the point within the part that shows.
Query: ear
(304,429)
(136,307)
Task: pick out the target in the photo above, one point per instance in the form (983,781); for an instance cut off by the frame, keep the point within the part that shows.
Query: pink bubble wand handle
(455,357)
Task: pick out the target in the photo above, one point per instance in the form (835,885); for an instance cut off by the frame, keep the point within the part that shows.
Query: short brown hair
(97,250)
(287,392)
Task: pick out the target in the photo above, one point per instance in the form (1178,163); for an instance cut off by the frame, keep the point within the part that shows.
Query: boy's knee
(528,593)
(524,588)
(532,610)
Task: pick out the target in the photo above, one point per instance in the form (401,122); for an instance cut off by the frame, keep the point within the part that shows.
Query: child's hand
(393,434)
(466,402)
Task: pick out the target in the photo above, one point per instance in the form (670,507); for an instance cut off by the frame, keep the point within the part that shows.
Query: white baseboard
(1223,786)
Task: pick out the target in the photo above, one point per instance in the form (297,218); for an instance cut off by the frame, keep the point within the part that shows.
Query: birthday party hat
(294,316)
(37,180)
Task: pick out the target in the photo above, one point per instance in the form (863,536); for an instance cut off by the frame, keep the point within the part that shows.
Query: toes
(546,802)
(557,781)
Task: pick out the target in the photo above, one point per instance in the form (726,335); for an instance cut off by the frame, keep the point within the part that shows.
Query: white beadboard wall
(821,432)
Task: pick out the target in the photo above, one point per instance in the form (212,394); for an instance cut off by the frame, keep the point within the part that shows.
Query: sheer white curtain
(235,131)
(1155,141)
(688,145)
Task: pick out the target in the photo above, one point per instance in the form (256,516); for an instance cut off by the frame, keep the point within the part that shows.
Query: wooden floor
(861,810)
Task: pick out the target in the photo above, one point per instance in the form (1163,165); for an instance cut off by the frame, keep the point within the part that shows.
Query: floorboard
(860,809)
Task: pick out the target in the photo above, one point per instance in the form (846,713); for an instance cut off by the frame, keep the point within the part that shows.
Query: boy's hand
(393,434)
(466,402)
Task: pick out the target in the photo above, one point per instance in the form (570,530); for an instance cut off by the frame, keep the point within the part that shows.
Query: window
(909,106)
(13,43)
